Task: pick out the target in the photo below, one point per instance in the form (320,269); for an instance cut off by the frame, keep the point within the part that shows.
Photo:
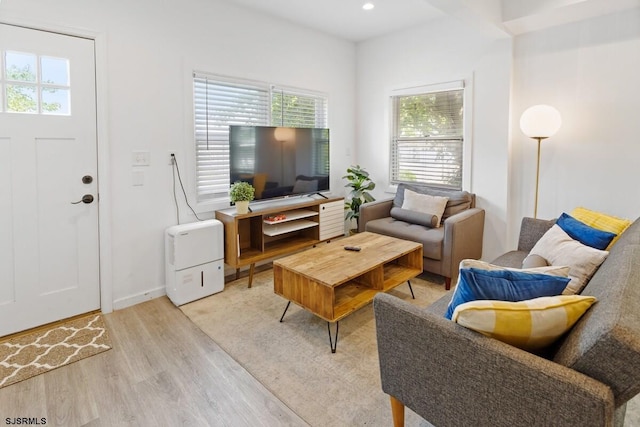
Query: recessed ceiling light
(368,6)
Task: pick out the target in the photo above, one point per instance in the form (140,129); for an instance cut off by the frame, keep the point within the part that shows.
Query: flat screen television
(280,161)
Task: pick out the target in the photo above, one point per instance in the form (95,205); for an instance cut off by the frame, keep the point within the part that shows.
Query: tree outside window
(426,146)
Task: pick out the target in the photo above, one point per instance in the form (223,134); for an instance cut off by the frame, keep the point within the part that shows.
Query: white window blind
(218,104)
(293,108)
(427,138)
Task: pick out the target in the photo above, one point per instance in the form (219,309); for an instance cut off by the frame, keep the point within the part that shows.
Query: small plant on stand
(360,185)
(241,193)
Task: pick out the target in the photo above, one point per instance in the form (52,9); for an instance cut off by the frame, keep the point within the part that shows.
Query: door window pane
(55,101)
(22,99)
(20,67)
(30,83)
(54,71)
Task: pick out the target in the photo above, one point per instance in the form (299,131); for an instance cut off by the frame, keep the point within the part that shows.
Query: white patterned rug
(26,355)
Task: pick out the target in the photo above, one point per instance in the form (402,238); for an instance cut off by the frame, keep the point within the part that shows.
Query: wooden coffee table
(332,282)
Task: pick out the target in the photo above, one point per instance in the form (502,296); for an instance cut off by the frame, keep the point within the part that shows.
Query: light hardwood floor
(162,371)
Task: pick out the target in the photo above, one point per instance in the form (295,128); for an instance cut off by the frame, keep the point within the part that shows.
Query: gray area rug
(293,359)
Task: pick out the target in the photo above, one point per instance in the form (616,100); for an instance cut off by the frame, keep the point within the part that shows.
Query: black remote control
(352,248)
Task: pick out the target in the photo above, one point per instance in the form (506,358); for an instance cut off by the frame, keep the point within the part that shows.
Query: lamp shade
(284,134)
(540,121)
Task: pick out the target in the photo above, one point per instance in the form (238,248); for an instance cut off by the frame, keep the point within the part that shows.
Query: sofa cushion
(534,261)
(414,217)
(585,234)
(513,259)
(558,248)
(602,221)
(531,230)
(531,325)
(458,200)
(425,203)
(431,238)
(504,285)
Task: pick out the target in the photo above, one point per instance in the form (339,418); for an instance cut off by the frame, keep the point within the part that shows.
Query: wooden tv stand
(253,237)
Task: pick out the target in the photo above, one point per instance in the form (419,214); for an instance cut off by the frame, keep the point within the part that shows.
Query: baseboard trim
(138,298)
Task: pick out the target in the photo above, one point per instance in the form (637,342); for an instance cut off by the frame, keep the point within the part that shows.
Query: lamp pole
(535,208)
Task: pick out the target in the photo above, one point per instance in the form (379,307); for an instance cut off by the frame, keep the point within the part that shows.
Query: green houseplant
(360,185)
(241,193)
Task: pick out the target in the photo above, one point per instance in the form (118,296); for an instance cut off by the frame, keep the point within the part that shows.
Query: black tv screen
(280,161)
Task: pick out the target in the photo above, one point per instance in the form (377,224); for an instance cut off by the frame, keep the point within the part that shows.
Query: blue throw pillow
(585,234)
(503,285)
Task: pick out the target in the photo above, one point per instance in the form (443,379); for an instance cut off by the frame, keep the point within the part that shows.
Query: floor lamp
(540,122)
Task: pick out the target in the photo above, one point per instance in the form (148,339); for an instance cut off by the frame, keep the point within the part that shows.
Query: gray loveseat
(453,376)
(458,237)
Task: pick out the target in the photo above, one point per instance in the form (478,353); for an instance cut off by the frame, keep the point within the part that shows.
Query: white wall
(442,51)
(151,49)
(589,72)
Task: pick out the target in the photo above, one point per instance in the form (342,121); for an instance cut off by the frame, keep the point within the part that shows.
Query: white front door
(49,260)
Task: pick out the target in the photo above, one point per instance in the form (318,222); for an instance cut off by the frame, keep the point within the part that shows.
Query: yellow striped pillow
(530,325)
(601,221)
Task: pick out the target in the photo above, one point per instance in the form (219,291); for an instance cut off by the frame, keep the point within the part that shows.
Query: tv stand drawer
(332,219)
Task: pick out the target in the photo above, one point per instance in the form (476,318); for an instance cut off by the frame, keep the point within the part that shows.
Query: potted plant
(360,185)
(241,193)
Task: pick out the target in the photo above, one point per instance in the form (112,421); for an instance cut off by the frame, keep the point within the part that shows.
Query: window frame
(463,84)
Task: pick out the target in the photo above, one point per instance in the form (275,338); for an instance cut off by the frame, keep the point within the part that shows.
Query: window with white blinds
(427,138)
(220,102)
(298,109)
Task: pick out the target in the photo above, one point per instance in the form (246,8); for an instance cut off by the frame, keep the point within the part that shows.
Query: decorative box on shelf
(274,219)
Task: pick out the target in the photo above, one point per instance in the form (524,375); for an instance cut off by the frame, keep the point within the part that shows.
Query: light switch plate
(141,158)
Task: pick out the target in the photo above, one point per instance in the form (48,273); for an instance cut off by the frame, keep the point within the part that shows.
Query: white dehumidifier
(194,260)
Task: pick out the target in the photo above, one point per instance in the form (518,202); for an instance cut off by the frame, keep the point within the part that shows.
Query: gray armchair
(459,237)
(453,376)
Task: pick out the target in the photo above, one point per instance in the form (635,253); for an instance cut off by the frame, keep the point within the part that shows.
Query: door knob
(87,198)
(87,179)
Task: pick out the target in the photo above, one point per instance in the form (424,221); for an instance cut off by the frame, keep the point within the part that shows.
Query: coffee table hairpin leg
(332,344)
(285,311)
(411,289)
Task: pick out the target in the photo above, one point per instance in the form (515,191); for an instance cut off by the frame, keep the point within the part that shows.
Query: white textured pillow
(559,249)
(551,270)
(425,203)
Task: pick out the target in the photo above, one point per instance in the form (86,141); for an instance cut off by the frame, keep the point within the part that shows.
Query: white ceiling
(346,18)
